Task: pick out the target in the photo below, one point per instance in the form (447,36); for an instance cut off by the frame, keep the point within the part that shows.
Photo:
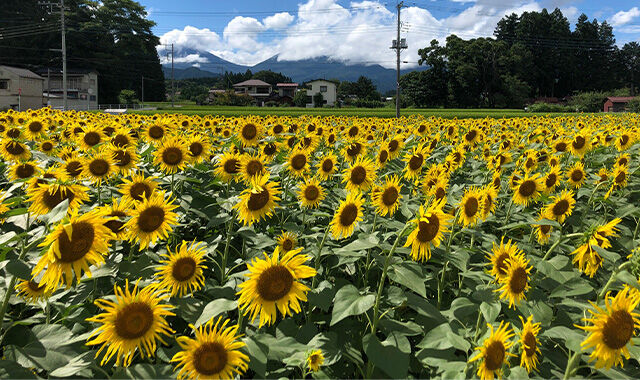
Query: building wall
(22,93)
(82,91)
(330,96)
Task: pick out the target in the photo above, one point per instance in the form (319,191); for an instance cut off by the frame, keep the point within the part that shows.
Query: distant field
(192,109)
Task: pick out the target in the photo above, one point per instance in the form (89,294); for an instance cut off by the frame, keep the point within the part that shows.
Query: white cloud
(571,13)
(278,20)
(622,17)
(192,38)
(242,33)
(190,58)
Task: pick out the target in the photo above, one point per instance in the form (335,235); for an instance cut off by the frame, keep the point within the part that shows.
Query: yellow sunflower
(47,146)
(152,219)
(250,133)
(298,162)
(74,244)
(576,175)
(91,137)
(287,241)
(182,271)
(258,201)
(46,197)
(135,320)
(314,360)
(213,354)
(611,328)
(171,155)
(138,188)
(99,167)
(31,291)
(471,206)
(499,256)
(327,166)
(347,216)
(489,199)
(529,345)
(387,197)
(274,284)
(125,160)
(252,168)
(561,206)
(360,176)
(528,189)
(619,176)
(580,145)
(74,167)
(552,179)
(543,231)
(311,193)
(431,225)
(516,281)
(415,159)
(34,129)
(117,211)
(22,171)
(228,166)
(494,352)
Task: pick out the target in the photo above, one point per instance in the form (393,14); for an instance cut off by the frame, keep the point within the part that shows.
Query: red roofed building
(616,103)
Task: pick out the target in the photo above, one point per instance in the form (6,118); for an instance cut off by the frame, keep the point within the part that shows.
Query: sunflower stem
(603,292)
(546,256)
(14,279)
(572,361)
(366,268)
(441,283)
(223,267)
(314,282)
(506,219)
(635,232)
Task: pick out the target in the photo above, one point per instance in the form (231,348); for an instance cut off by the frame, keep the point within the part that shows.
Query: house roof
(324,80)
(24,73)
(252,82)
(620,99)
(216,91)
(44,71)
(286,85)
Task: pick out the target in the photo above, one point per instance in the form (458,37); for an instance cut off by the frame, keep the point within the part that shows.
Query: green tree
(271,77)
(127,97)
(318,100)
(300,98)
(630,62)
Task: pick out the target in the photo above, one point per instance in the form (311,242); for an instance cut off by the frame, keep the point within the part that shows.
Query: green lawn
(192,109)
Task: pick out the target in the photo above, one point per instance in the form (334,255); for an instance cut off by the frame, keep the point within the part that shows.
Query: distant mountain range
(300,71)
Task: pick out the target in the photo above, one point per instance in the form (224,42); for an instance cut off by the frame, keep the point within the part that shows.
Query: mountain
(299,71)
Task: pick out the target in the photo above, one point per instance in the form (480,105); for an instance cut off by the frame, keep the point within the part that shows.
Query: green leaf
(348,302)
(442,337)
(388,357)
(365,241)
(76,365)
(424,308)
(490,311)
(215,308)
(19,269)
(409,274)
(572,338)
(57,214)
(12,370)
(408,328)
(258,352)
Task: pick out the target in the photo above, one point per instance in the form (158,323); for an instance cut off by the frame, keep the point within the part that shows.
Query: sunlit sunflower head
(494,352)
(138,188)
(489,200)
(430,226)
(12,150)
(181,272)
(74,167)
(287,241)
(171,155)
(72,246)
(415,160)
(314,360)
(117,211)
(516,282)
(576,175)
(270,149)
(561,206)
(252,168)
(529,161)
(360,175)
(47,147)
(587,258)
(386,198)
(552,179)
(198,148)
(395,146)
(99,167)
(354,150)
(122,138)
(611,328)
(151,220)
(249,133)
(155,133)
(213,354)
(228,166)
(23,171)
(311,193)
(134,321)
(623,160)
(258,201)
(580,144)
(601,233)
(620,176)
(46,197)
(91,137)
(327,166)
(125,160)
(383,156)
(529,345)
(298,162)
(499,256)
(543,231)
(528,189)
(34,129)
(349,213)
(471,206)
(31,291)
(625,140)
(274,284)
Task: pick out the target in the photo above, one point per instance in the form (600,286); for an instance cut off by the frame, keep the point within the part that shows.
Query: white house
(257,89)
(328,89)
(82,88)
(20,89)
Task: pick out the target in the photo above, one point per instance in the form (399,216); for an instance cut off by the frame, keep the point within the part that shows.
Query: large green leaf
(258,352)
(443,337)
(409,274)
(348,301)
(215,308)
(388,355)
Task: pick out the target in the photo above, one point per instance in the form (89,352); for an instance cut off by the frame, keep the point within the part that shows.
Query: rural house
(328,89)
(616,103)
(82,88)
(287,89)
(20,89)
(255,88)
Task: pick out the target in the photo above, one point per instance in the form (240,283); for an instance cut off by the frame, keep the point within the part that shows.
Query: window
(92,98)
(73,83)
(4,84)
(323,88)
(309,99)
(92,82)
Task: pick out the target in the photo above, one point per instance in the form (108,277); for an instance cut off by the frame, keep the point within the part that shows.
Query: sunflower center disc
(561,147)
(120,141)
(618,329)
(415,162)
(494,356)
(25,171)
(196,149)
(576,175)
(578,142)
(518,280)
(51,200)
(501,265)
(34,286)
(353,131)
(620,177)
(354,149)
(115,225)
(91,138)
(156,132)
(422,128)
(99,167)
(298,161)
(393,145)
(327,166)
(139,190)
(74,168)
(287,245)
(471,207)
(270,149)
(530,344)
(275,283)
(348,215)
(440,193)
(122,157)
(82,237)
(527,188)
(384,155)
(258,200)
(35,126)
(390,196)
(545,228)
(561,207)
(254,167)
(210,359)
(13,133)
(277,129)
(134,320)
(249,131)
(14,148)
(624,139)
(358,175)
(172,156)
(551,179)
(311,193)
(46,146)
(427,231)
(471,135)
(151,219)
(231,166)
(623,161)
(184,268)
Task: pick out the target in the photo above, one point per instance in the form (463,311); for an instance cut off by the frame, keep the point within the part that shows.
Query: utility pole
(173,88)
(64,58)
(398,44)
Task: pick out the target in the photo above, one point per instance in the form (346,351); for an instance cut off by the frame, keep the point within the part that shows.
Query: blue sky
(249,31)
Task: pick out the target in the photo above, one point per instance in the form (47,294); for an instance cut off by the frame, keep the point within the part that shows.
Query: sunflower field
(174,246)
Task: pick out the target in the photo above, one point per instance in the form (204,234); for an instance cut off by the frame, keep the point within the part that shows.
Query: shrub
(548,107)
(634,105)
(318,100)
(300,99)
(588,101)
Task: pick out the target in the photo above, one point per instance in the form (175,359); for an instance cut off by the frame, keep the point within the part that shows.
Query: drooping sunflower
(314,360)
(360,176)
(252,168)
(529,345)
(516,282)
(46,197)
(552,179)
(116,211)
(228,166)
(560,207)
(258,201)
(171,155)
(125,160)
(181,272)
(311,193)
(499,256)
(347,216)
(137,188)
(576,175)
(23,171)
(213,354)
(431,225)
(250,133)
(471,206)
(274,284)
(74,244)
(134,321)
(31,291)
(387,197)
(287,241)
(327,166)
(494,352)
(528,189)
(619,176)
(543,231)
(489,200)
(611,328)
(298,162)
(587,258)
(152,219)
(99,167)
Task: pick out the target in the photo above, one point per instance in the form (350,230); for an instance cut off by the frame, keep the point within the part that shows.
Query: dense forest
(113,37)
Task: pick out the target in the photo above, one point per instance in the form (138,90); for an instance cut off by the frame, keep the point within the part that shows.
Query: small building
(616,103)
(287,89)
(255,88)
(328,89)
(214,93)
(20,89)
(82,88)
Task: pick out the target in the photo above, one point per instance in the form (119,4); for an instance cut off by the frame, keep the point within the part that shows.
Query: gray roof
(23,73)
(252,82)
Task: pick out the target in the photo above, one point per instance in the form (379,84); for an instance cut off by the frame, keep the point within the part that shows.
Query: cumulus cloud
(623,18)
(192,38)
(242,33)
(196,59)
(278,20)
